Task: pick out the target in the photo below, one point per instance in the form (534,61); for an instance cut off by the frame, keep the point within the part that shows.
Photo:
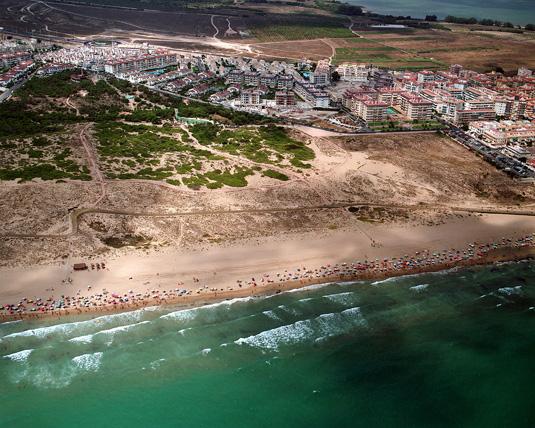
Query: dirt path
(333,49)
(71,105)
(75,215)
(215,27)
(94,169)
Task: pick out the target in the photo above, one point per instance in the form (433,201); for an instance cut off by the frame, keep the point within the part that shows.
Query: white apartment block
(140,63)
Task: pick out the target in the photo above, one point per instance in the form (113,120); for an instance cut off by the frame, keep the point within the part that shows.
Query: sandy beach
(218,269)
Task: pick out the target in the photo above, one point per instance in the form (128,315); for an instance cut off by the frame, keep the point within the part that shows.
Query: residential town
(495,110)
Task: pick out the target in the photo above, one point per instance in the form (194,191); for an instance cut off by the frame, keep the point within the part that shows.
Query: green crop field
(279,33)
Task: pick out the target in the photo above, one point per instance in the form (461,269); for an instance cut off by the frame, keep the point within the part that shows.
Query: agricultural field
(480,51)
(311,49)
(412,49)
(277,33)
(368,50)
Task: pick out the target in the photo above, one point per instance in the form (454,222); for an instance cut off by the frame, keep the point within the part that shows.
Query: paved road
(5,95)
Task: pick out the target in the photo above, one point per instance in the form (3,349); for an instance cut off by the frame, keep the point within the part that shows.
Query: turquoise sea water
(449,350)
(515,11)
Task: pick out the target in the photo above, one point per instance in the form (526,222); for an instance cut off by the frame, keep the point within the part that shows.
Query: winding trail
(230,30)
(71,105)
(215,27)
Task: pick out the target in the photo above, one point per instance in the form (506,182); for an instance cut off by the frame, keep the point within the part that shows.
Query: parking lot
(508,164)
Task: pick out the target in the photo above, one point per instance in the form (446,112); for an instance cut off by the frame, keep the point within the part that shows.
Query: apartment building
(235,77)
(250,97)
(140,63)
(321,76)
(269,80)
(285,81)
(501,134)
(285,98)
(414,107)
(463,117)
(354,72)
(425,76)
(312,95)
(370,110)
(251,78)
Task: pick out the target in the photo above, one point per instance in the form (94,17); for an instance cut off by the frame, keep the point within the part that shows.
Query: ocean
(449,349)
(516,11)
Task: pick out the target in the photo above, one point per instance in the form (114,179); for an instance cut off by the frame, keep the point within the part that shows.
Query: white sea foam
(11,322)
(182,315)
(324,325)
(346,298)
(88,338)
(386,280)
(272,315)
(288,310)
(190,314)
(416,275)
(122,328)
(58,373)
(44,332)
(419,288)
(92,324)
(284,335)
(20,356)
(43,376)
(183,330)
(308,287)
(206,351)
(155,364)
(354,313)
(334,324)
(88,362)
(509,291)
(306,299)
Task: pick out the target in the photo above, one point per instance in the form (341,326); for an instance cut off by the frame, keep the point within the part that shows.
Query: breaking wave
(419,288)
(88,362)
(346,298)
(510,291)
(20,356)
(324,325)
(68,329)
(109,332)
(272,315)
(184,315)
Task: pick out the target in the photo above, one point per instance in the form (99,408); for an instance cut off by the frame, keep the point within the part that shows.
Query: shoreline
(483,255)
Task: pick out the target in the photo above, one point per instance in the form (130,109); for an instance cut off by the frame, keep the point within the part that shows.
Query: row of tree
(486,22)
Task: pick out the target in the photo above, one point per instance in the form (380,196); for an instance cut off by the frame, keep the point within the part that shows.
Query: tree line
(486,22)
